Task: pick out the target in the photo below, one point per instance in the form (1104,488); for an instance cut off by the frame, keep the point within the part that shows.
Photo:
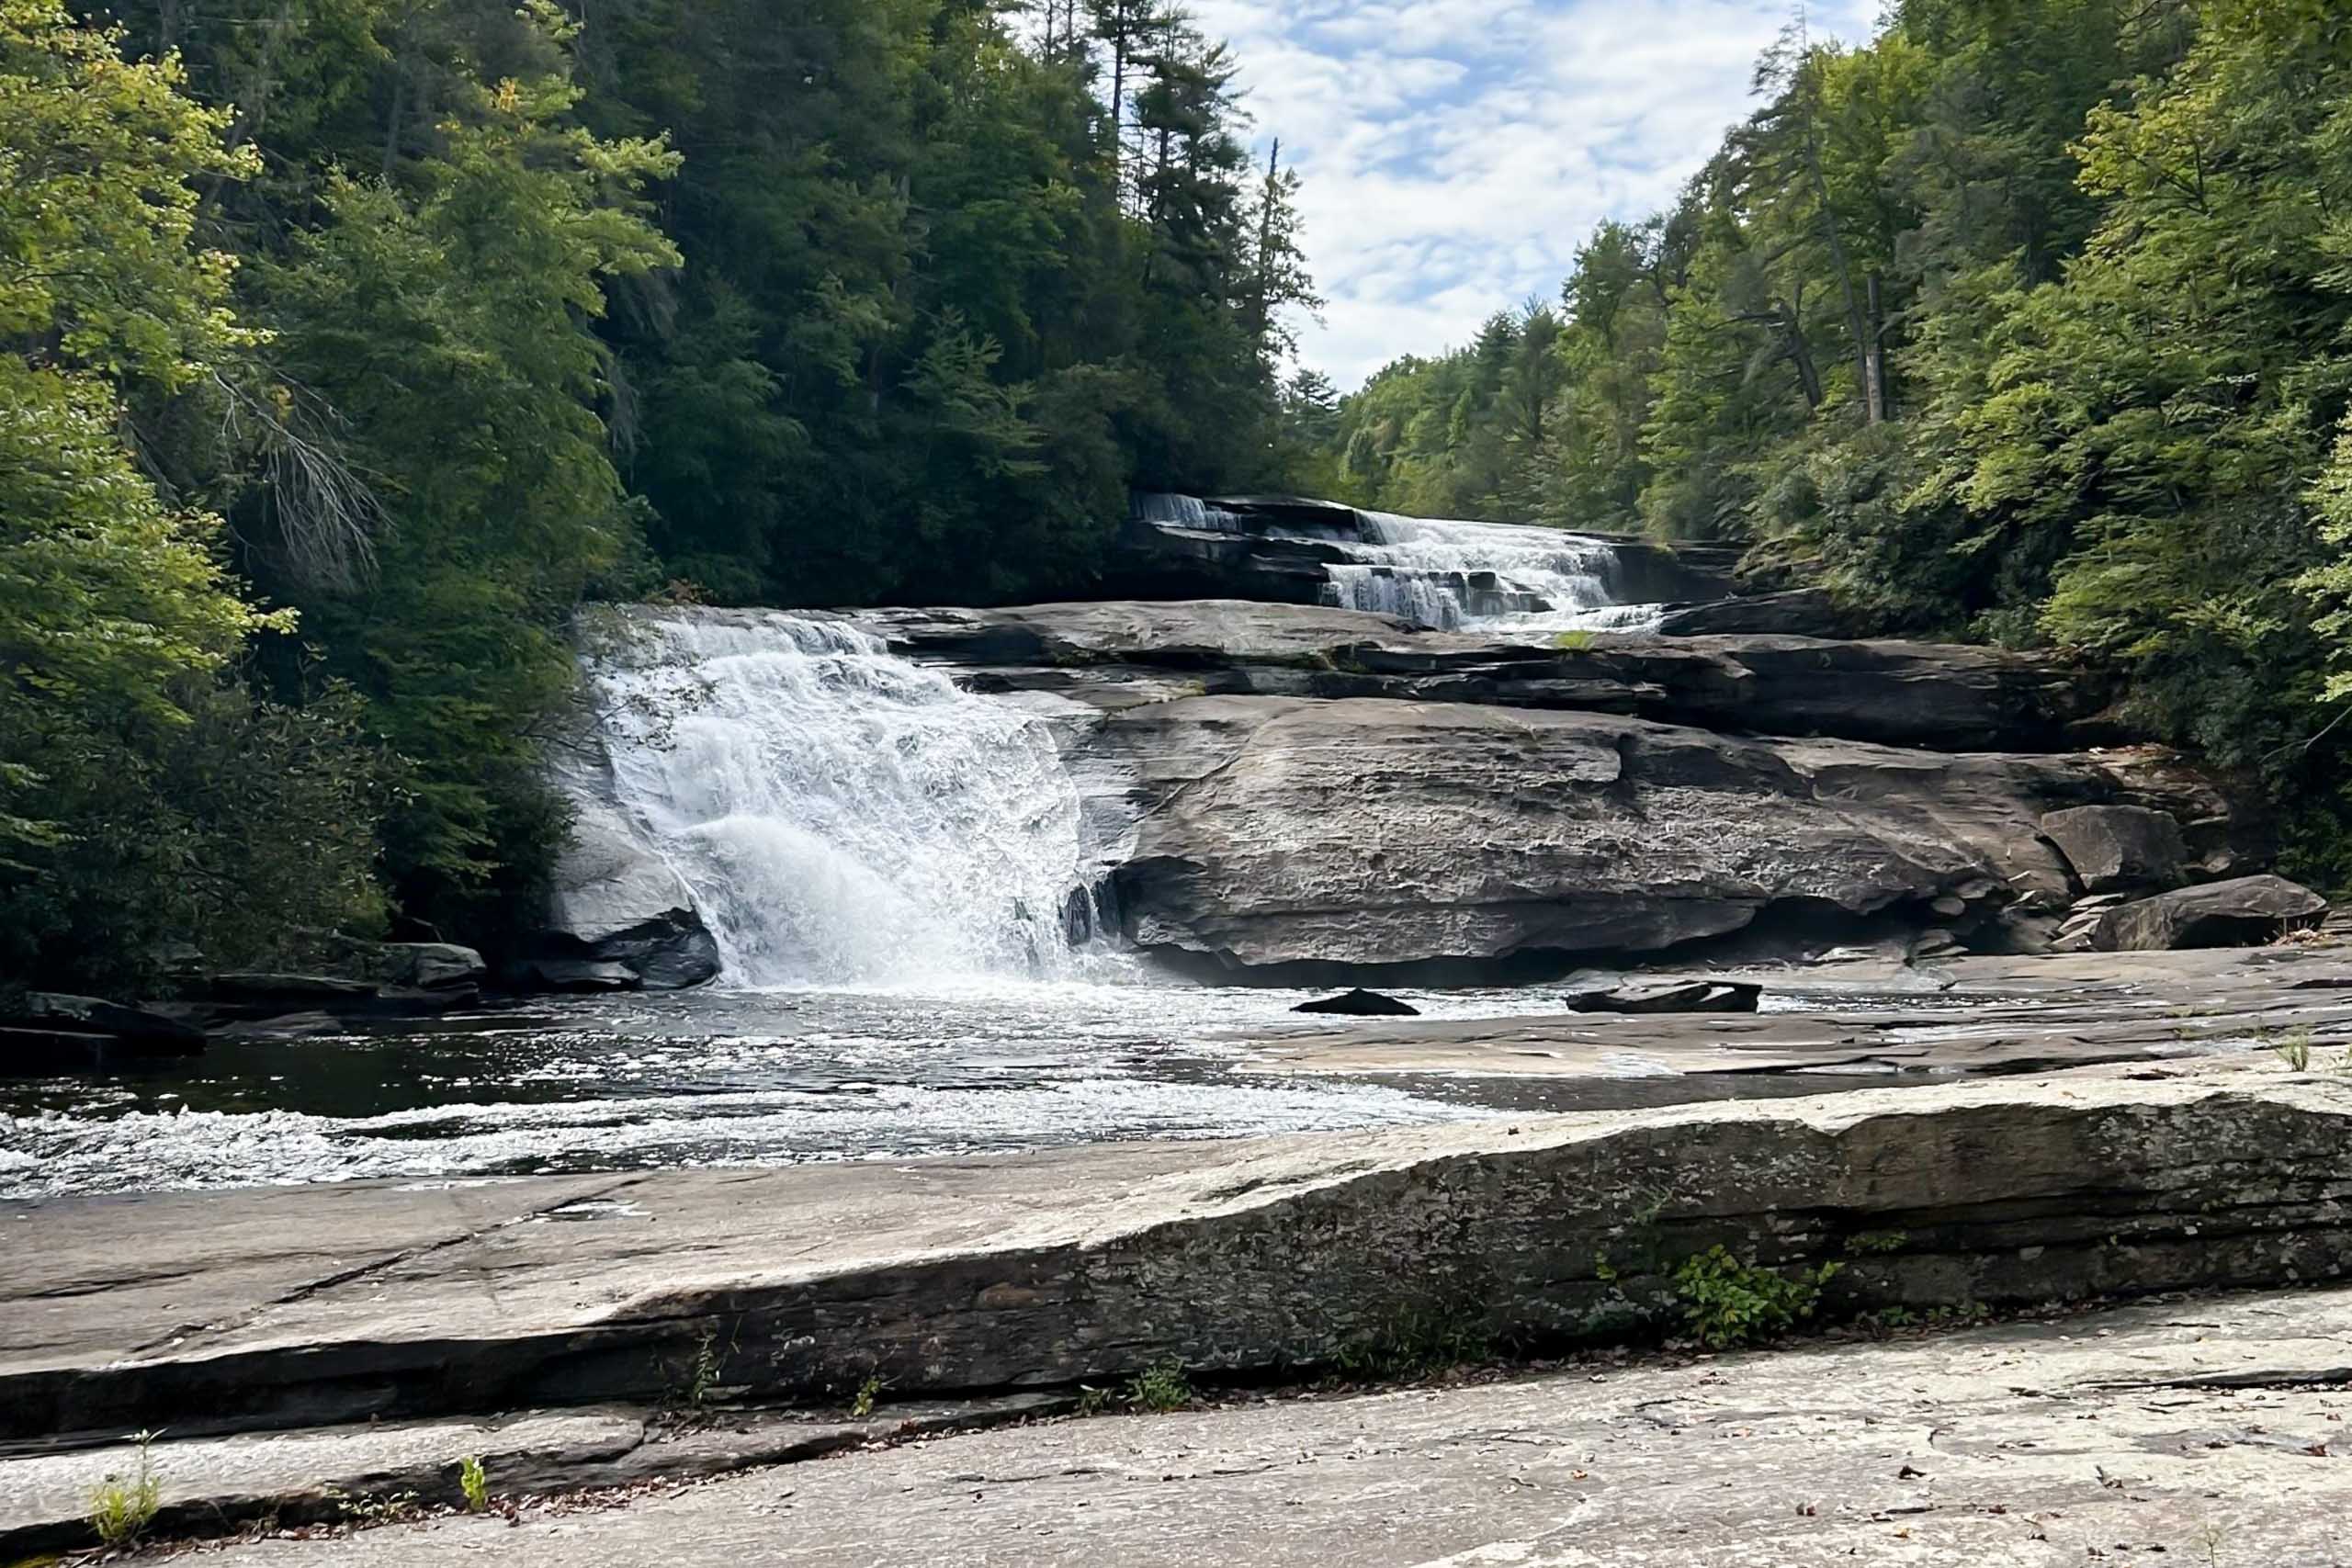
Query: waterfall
(842,815)
(1184,512)
(1452,574)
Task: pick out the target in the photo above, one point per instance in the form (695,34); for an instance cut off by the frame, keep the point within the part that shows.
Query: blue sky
(1456,151)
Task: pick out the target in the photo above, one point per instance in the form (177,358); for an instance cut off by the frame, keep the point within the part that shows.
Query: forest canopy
(2024,322)
(350,344)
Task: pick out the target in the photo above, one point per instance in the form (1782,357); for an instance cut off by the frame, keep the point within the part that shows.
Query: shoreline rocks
(1091,1265)
(2246,911)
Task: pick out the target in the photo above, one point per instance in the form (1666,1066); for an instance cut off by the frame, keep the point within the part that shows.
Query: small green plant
(1415,1344)
(474,1482)
(1160,1388)
(2294,1048)
(699,1387)
(121,1509)
(1727,1303)
(1886,1320)
(1876,1241)
(1577,642)
(1093,1401)
(867,1392)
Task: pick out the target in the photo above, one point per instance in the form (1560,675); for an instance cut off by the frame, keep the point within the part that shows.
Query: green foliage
(1727,1303)
(122,1507)
(146,796)
(1864,1243)
(861,1405)
(1416,1344)
(2030,323)
(427,322)
(1159,1388)
(473,1483)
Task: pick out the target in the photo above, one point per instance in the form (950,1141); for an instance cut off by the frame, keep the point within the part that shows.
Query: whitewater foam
(842,816)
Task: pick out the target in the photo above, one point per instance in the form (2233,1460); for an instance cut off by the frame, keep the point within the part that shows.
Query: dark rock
(2248,911)
(1672,995)
(285,1026)
(415,965)
(578,975)
(89,1015)
(2116,848)
(1360,1003)
(1802,611)
(616,901)
(49,1032)
(271,987)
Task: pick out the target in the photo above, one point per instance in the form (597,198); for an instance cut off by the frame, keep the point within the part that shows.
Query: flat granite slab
(316,1305)
(2207,1433)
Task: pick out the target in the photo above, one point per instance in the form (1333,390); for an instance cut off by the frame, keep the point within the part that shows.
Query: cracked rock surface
(2201,1432)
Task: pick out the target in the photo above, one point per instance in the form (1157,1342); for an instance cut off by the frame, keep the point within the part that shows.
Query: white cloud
(1456,151)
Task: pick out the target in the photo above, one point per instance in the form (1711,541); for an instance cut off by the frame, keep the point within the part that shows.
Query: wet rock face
(2245,911)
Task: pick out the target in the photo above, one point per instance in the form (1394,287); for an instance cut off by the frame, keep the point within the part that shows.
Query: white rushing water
(842,816)
(1452,574)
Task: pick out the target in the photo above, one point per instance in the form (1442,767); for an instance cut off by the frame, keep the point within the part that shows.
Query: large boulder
(1275,831)
(2116,848)
(2247,911)
(615,900)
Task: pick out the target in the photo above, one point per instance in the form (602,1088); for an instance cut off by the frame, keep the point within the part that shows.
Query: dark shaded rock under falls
(1360,1003)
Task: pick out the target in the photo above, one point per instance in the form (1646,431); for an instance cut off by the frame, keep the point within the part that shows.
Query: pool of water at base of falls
(748,1078)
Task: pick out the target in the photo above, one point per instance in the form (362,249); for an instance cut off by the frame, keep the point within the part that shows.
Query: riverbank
(310,1309)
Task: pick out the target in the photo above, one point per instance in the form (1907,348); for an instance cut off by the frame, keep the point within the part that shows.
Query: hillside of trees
(350,344)
(2030,322)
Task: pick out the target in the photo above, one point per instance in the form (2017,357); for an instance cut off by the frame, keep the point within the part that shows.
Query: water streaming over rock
(1450,574)
(842,816)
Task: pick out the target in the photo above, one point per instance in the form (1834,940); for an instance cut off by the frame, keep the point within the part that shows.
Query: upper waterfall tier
(839,814)
(1443,574)
(1449,575)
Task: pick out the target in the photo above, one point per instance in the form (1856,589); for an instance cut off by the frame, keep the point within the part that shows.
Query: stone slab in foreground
(313,1305)
(2208,1433)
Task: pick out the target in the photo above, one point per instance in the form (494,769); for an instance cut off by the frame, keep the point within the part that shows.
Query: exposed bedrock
(1954,698)
(1276,831)
(303,1305)
(1324,787)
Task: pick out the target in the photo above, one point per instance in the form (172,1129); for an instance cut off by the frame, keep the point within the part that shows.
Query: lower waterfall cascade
(843,816)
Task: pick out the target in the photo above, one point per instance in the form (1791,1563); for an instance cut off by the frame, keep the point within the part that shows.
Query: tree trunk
(1800,354)
(1874,356)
